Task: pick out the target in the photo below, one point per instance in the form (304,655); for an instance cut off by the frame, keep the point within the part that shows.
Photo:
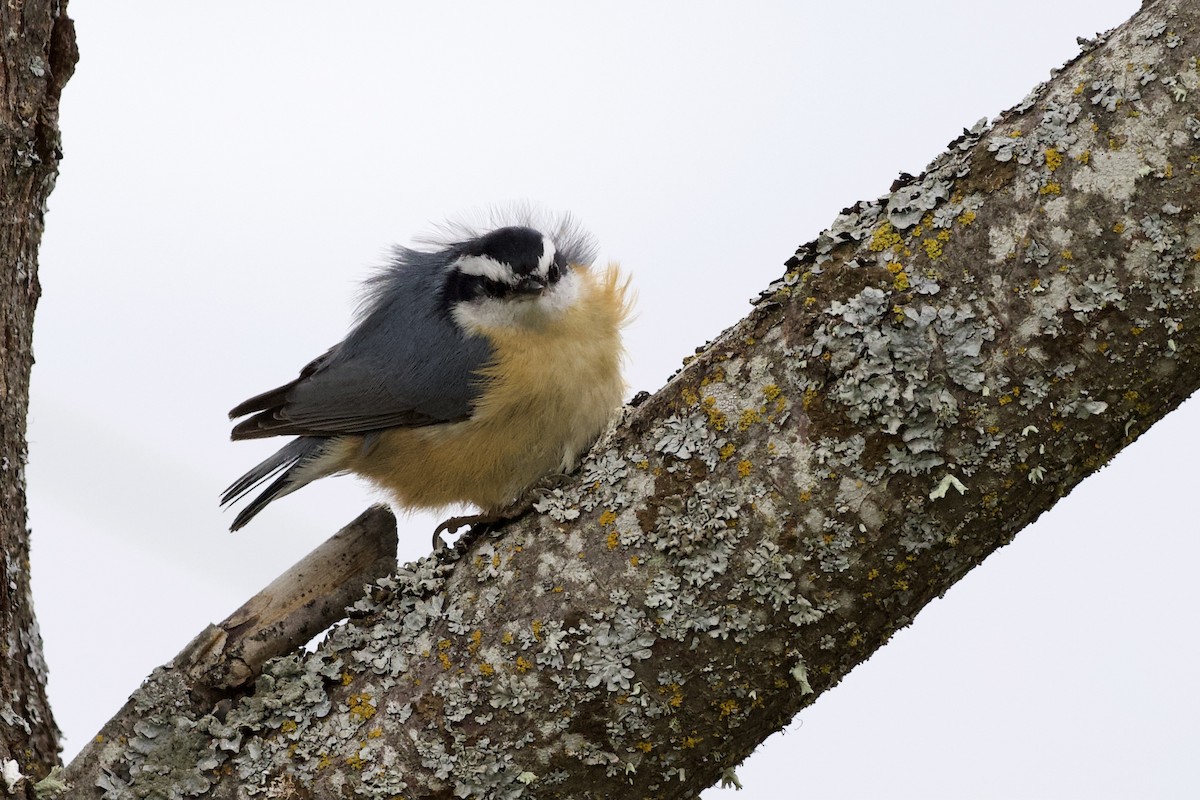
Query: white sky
(233,170)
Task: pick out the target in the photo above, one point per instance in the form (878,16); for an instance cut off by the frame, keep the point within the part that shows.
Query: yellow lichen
(444,660)
(645,747)
(288,726)
(728,707)
(771,391)
(744,467)
(1119,227)
(1084,157)
(476,641)
(1054,159)
(506,637)
(749,417)
(1051,188)
(634,561)
(933,248)
(360,706)
(607,517)
(716,417)
(688,742)
(523,664)
(900,282)
(689,396)
(966,218)
(613,540)
(885,237)
(486,670)
(727,450)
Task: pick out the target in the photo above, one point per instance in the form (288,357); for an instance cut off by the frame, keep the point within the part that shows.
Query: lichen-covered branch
(930,375)
(36,59)
(213,669)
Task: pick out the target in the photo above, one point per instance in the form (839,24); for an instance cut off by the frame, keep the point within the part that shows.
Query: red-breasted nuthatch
(475,370)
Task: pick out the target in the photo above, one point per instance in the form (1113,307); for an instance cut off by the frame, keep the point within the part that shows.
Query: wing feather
(404,364)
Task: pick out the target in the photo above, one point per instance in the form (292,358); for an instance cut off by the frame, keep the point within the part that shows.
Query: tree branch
(36,59)
(930,375)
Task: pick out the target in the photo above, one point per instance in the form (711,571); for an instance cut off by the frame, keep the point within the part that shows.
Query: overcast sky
(233,170)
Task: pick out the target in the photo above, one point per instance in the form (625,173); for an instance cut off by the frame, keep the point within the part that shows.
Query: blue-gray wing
(404,364)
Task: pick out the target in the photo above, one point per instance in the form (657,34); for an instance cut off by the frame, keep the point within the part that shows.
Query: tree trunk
(36,59)
(930,375)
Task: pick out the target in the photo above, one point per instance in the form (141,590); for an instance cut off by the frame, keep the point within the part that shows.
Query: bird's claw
(452,525)
(480,523)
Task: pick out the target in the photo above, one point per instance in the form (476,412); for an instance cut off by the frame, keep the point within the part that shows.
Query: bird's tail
(298,460)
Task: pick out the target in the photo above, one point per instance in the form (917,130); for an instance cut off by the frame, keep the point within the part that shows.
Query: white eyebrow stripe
(548,254)
(485,267)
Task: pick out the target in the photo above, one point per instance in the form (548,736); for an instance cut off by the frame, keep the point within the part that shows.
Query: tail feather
(291,460)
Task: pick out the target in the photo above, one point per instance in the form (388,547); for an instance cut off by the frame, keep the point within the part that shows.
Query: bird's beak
(530,284)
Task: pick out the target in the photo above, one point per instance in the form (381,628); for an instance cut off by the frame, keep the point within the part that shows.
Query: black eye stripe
(461,286)
(492,288)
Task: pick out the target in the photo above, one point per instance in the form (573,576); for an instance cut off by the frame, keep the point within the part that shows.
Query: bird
(482,362)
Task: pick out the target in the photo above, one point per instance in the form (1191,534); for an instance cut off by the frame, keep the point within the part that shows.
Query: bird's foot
(486,522)
(478,523)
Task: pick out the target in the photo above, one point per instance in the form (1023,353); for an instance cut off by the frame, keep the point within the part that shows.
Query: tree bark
(36,59)
(930,374)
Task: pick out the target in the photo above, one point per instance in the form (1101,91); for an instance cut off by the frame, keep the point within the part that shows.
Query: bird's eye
(554,272)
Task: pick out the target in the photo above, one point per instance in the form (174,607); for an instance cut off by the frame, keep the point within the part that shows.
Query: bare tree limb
(931,374)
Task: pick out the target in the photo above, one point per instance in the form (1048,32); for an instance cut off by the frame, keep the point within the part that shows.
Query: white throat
(485,314)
